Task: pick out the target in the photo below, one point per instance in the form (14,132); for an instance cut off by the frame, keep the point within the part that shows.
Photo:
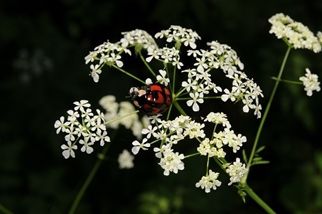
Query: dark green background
(43,45)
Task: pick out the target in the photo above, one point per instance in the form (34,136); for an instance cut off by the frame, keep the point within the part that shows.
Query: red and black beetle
(151,99)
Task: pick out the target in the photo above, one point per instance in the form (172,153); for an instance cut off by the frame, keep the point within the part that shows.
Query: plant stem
(206,98)
(258,200)
(146,64)
(89,179)
(128,74)
(4,210)
(178,107)
(267,108)
(288,81)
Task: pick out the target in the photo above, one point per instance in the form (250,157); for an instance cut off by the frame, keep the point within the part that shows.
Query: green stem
(174,78)
(206,98)
(191,155)
(146,64)
(288,81)
(4,210)
(89,179)
(268,108)
(258,200)
(128,74)
(178,107)
(207,170)
(169,112)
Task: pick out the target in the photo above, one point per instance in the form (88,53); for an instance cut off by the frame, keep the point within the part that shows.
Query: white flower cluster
(295,33)
(122,113)
(82,127)
(138,39)
(105,54)
(166,55)
(179,35)
(200,83)
(236,171)
(209,181)
(200,74)
(310,82)
(170,132)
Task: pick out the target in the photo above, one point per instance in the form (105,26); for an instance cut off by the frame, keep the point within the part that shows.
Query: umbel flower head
(194,82)
(82,128)
(294,33)
(165,135)
(198,82)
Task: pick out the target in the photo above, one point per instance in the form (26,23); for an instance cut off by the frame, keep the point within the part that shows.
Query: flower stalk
(88,179)
(271,98)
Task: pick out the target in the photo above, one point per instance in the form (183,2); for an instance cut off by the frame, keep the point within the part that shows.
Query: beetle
(151,99)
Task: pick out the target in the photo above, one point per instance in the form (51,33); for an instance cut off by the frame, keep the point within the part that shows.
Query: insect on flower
(151,99)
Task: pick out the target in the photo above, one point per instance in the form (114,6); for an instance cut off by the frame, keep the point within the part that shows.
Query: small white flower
(236,171)
(162,78)
(310,82)
(137,146)
(61,125)
(196,98)
(95,72)
(125,160)
(209,181)
(103,138)
(149,131)
(189,85)
(86,146)
(164,149)
(68,150)
(81,105)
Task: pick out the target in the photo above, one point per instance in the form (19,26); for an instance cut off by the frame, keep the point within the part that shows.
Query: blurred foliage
(43,44)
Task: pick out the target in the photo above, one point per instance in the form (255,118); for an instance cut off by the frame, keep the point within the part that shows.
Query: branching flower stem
(258,200)
(128,74)
(146,64)
(259,131)
(89,179)
(289,81)
(246,188)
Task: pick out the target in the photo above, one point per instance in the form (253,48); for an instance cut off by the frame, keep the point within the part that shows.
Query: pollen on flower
(310,82)
(82,127)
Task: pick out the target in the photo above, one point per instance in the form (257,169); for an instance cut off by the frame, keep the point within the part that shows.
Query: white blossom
(310,82)
(171,162)
(137,146)
(295,33)
(68,150)
(125,160)
(162,78)
(179,34)
(82,126)
(236,171)
(209,182)
(195,99)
